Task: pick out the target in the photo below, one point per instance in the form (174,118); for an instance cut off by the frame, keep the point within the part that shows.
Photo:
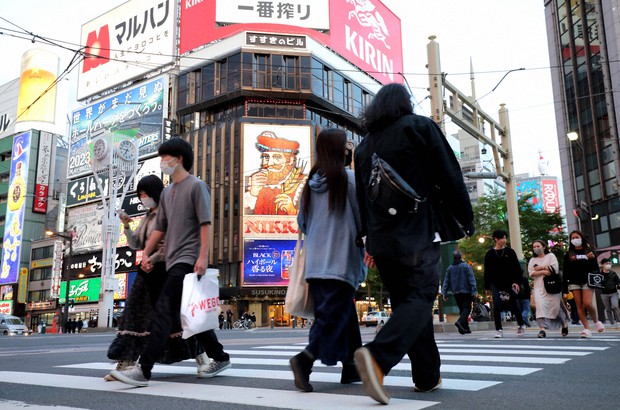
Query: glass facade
(583,80)
(215,99)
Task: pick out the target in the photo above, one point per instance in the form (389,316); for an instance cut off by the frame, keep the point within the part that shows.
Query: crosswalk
(468,365)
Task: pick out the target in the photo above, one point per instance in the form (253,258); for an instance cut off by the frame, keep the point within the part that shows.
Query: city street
(478,371)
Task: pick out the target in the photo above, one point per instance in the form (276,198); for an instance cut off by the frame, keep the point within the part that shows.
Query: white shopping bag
(200,302)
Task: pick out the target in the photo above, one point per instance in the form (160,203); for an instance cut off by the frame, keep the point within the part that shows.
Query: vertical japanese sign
(47,151)
(11,248)
(550,196)
(56,270)
(276,162)
(22,286)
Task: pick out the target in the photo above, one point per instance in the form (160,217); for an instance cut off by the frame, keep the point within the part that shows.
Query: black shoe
(565,331)
(301,365)
(349,374)
(542,334)
(468,331)
(460,327)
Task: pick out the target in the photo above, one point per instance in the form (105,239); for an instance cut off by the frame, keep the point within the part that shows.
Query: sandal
(599,327)
(586,334)
(542,334)
(564,331)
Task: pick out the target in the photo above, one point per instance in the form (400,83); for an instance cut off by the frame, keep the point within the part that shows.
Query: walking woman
(133,329)
(329,217)
(578,262)
(550,313)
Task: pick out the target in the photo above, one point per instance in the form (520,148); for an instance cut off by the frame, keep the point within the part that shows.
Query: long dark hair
(391,102)
(587,248)
(330,146)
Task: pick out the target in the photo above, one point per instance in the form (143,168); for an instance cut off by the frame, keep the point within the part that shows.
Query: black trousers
(463,301)
(498,307)
(167,312)
(335,333)
(413,281)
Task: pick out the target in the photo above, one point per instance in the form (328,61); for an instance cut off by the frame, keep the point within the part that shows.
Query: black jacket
(417,149)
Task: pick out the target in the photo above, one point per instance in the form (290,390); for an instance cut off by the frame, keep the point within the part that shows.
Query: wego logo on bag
(205,305)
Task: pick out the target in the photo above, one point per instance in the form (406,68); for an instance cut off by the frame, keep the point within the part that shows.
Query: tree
(490,214)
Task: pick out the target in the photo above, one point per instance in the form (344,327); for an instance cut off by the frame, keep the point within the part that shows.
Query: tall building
(584,49)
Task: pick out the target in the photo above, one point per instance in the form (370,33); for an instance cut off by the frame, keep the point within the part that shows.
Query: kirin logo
(97,51)
(366,16)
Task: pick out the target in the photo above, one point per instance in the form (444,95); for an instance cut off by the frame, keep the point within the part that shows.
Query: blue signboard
(266,262)
(11,245)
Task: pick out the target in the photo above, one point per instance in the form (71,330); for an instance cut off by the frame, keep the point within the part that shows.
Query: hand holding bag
(298,300)
(200,302)
(553,282)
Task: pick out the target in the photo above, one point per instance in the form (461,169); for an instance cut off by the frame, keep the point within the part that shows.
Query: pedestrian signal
(614,257)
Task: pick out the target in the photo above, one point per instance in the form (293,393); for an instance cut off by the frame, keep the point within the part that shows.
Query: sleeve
(133,240)
(530,267)
(161,223)
(472,279)
(202,202)
(446,282)
(449,177)
(301,217)
(487,271)
(360,191)
(554,262)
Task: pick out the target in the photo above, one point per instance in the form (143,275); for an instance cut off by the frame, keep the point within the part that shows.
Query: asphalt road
(66,372)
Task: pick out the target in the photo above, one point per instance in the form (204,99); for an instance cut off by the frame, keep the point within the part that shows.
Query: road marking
(324,377)
(12,405)
(282,399)
(442,349)
(528,347)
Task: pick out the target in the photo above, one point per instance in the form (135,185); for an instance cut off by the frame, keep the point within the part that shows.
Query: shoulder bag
(553,282)
(596,280)
(298,301)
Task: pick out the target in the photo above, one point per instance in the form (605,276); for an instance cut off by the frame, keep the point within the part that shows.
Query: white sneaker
(499,334)
(132,375)
(202,363)
(214,368)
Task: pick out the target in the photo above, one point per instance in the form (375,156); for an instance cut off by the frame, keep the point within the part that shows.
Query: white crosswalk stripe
(489,364)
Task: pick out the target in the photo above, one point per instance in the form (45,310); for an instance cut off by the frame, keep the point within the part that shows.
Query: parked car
(375,318)
(12,325)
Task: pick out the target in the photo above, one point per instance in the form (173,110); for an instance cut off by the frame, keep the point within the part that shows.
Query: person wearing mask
(133,330)
(183,218)
(461,282)
(609,293)
(503,276)
(550,312)
(329,218)
(404,245)
(578,262)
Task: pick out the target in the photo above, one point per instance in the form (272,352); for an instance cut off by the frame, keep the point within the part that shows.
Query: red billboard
(550,196)
(365,32)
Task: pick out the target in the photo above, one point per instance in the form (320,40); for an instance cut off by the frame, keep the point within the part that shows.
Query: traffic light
(614,257)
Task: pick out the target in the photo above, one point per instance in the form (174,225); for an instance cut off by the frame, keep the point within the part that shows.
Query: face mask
(607,266)
(166,166)
(538,251)
(148,202)
(576,241)
(348,159)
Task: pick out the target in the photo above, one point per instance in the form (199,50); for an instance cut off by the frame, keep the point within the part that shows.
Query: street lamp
(69,237)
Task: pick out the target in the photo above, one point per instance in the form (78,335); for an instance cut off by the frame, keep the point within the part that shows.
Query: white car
(375,318)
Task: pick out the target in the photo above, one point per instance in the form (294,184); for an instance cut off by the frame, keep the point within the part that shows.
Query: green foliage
(490,214)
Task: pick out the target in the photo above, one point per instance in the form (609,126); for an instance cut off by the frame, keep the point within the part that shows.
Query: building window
(41,274)
(43,252)
(261,71)
(39,296)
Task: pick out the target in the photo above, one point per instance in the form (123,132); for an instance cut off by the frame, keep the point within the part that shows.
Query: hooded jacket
(331,252)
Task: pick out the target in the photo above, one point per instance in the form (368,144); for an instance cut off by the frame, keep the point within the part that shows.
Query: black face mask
(348,159)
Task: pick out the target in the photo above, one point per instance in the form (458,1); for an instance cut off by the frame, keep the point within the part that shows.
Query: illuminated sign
(47,151)
(129,41)
(11,249)
(266,262)
(136,112)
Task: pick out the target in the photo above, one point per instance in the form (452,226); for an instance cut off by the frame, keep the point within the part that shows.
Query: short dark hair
(152,186)
(604,260)
(176,147)
(457,255)
(499,234)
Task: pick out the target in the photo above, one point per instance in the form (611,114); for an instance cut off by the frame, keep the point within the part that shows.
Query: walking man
(460,280)
(184,219)
(503,276)
(403,238)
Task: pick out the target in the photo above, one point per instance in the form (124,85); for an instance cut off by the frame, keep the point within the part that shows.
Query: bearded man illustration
(276,187)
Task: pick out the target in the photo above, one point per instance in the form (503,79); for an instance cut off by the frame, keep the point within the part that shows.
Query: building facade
(584,49)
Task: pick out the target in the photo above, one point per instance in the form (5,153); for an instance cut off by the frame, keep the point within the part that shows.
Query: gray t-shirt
(183,208)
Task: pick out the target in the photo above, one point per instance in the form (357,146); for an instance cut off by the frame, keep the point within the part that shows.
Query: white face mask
(148,202)
(607,266)
(166,166)
(576,241)
(538,251)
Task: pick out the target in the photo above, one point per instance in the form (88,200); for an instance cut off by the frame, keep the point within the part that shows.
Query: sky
(497,35)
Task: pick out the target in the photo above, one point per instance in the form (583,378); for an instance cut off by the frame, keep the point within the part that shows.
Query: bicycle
(242,323)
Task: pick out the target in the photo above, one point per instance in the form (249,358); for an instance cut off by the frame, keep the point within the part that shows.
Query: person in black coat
(403,240)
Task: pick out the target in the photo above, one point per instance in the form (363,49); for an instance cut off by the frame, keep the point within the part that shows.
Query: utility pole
(465,112)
